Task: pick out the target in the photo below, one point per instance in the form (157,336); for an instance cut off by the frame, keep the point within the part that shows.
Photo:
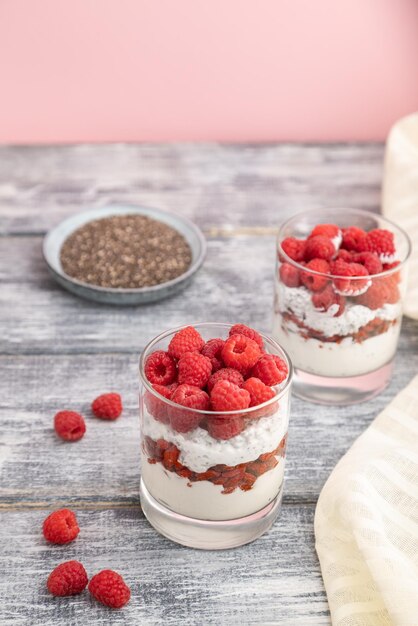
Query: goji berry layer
(231,477)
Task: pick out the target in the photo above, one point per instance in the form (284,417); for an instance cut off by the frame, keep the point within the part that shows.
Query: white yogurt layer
(199,451)
(298,300)
(346,358)
(204,500)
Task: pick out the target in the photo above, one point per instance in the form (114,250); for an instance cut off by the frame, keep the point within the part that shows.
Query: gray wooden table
(60,352)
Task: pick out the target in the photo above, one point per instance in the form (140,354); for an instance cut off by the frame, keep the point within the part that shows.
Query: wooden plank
(104,466)
(38,316)
(276,580)
(214,184)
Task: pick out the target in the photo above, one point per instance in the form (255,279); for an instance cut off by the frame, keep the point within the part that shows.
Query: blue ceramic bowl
(56,237)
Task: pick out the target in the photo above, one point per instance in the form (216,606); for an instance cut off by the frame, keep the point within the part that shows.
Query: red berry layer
(231,477)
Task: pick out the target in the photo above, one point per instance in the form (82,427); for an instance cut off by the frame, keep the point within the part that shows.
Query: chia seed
(125,252)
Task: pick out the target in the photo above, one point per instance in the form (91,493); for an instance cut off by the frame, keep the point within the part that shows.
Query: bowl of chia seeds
(124,254)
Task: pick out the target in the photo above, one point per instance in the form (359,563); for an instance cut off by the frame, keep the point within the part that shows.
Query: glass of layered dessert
(214,410)
(340,279)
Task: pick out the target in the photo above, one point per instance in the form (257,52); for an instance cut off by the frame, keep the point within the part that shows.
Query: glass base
(208,535)
(341,391)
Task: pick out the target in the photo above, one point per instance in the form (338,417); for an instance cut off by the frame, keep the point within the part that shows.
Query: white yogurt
(347,358)
(199,451)
(298,300)
(204,500)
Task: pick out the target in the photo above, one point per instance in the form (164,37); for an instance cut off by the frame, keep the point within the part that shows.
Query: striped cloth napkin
(400,196)
(366,522)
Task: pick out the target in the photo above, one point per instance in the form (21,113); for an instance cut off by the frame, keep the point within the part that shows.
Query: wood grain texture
(216,185)
(104,466)
(57,351)
(273,581)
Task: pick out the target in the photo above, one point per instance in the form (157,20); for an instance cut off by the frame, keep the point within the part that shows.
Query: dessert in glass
(340,279)
(214,409)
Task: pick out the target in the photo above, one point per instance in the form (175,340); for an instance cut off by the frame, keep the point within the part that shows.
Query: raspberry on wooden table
(109,588)
(225,396)
(69,425)
(160,368)
(241,329)
(319,247)
(270,369)
(194,369)
(213,349)
(314,282)
(259,392)
(294,248)
(67,579)
(108,406)
(226,373)
(241,353)
(185,340)
(60,526)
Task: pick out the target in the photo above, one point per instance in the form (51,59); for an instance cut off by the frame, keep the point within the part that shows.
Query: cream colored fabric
(366,522)
(400,195)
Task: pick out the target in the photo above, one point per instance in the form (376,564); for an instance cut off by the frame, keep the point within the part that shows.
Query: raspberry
(294,248)
(69,425)
(315,282)
(225,427)
(391,283)
(352,238)
(194,369)
(226,373)
(381,242)
(192,398)
(289,275)
(226,396)
(185,340)
(160,368)
(380,292)
(326,230)
(241,353)
(344,285)
(109,588)
(319,247)
(212,349)
(323,300)
(345,255)
(108,406)
(157,407)
(370,260)
(270,369)
(241,329)
(67,579)
(60,526)
(259,392)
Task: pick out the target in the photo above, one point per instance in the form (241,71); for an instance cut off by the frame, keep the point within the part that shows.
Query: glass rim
(243,412)
(332,211)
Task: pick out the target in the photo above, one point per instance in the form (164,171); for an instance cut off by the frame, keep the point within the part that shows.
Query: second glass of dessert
(214,409)
(340,279)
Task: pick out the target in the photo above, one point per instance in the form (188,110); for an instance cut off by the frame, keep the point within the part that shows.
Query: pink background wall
(132,70)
